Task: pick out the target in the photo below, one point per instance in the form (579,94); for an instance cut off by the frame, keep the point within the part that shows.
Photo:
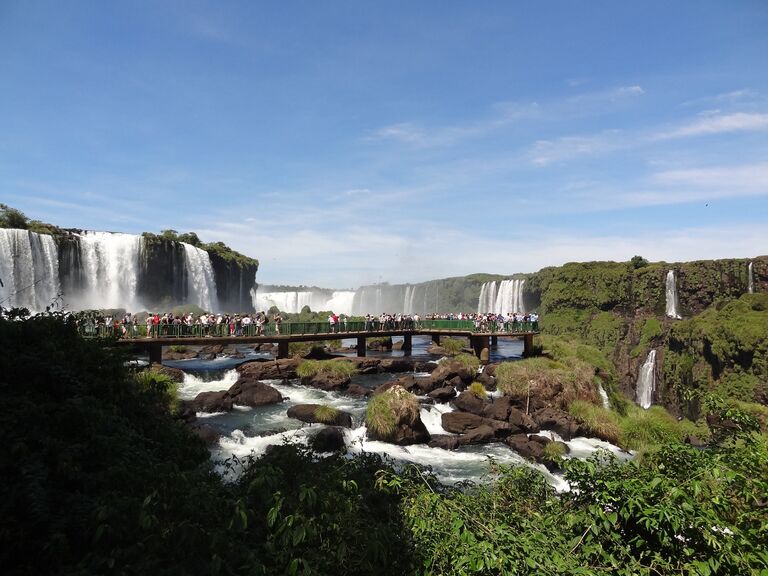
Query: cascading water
(339,301)
(505,298)
(29,270)
(111,266)
(603,396)
(646,381)
(201,282)
(750,280)
(671,294)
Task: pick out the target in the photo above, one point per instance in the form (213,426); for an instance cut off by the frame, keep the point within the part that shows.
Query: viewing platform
(480,338)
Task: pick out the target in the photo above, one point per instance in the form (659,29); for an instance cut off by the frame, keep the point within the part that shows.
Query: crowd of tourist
(209,324)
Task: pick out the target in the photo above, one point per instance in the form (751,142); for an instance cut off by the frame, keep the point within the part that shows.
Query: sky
(345,143)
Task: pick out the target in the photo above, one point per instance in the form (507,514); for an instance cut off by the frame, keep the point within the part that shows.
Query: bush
(649,429)
(453,346)
(554,452)
(380,416)
(478,390)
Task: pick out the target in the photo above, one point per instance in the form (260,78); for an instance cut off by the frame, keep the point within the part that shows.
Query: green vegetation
(305,348)
(100,478)
(380,416)
(600,423)
(453,346)
(478,390)
(554,452)
(215,249)
(159,385)
(471,362)
(310,368)
(650,333)
(326,414)
(638,262)
(14,218)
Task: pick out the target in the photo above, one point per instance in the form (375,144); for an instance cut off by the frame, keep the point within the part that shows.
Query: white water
(201,282)
(671,294)
(646,381)
(504,298)
(111,266)
(256,429)
(603,396)
(29,270)
(750,280)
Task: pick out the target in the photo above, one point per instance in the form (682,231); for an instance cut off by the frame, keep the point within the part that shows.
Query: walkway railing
(297,328)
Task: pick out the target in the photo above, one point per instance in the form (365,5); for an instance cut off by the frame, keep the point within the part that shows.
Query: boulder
(306,413)
(395,365)
(464,422)
(561,422)
(468,402)
(483,434)
(445,441)
(358,391)
(407,425)
(488,382)
(498,409)
(206,433)
(383,343)
(210,352)
(327,381)
(521,420)
(247,392)
(180,354)
(443,394)
(448,369)
(219,401)
(425,385)
(527,448)
(437,350)
(330,439)
(261,369)
(408,382)
(425,366)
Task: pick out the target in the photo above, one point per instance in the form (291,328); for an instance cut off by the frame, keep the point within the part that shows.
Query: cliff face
(621,309)
(162,281)
(234,282)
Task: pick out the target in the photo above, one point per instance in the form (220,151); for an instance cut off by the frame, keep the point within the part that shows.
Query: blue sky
(345,143)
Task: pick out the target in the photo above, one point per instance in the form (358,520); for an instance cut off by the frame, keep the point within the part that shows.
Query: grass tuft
(478,390)
(469,361)
(310,368)
(598,421)
(326,414)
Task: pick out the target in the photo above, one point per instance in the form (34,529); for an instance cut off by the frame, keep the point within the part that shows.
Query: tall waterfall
(201,282)
(29,270)
(750,280)
(603,396)
(646,381)
(111,265)
(503,298)
(673,310)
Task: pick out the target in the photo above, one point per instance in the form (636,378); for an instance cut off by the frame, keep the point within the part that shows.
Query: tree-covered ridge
(215,249)
(14,218)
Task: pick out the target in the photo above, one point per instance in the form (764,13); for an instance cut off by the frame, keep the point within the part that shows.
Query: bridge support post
(481,349)
(527,345)
(155,354)
(436,339)
(407,343)
(361,346)
(494,340)
(282,349)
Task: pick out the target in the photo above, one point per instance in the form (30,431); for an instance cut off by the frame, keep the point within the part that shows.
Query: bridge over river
(480,338)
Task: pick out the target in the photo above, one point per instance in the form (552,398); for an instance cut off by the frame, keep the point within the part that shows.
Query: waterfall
(646,381)
(750,280)
(504,298)
(671,294)
(292,301)
(111,265)
(201,282)
(29,269)
(603,396)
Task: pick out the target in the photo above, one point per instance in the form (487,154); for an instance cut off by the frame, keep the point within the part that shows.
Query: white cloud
(545,152)
(718,124)
(731,180)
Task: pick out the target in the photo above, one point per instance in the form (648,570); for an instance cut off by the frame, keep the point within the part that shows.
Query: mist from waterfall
(502,298)
(646,381)
(201,282)
(29,270)
(672,308)
(293,301)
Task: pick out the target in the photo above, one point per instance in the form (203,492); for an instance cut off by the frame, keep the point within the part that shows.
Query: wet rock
(358,391)
(445,441)
(210,402)
(261,369)
(521,420)
(170,354)
(424,366)
(206,433)
(449,369)
(561,422)
(483,434)
(248,392)
(488,382)
(327,381)
(443,394)
(329,439)
(498,409)
(468,402)
(527,448)
(210,352)
(307,413)
(464,422)
(379,343)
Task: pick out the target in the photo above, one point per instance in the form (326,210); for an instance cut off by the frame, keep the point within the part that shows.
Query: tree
(12,218)
(638,262)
